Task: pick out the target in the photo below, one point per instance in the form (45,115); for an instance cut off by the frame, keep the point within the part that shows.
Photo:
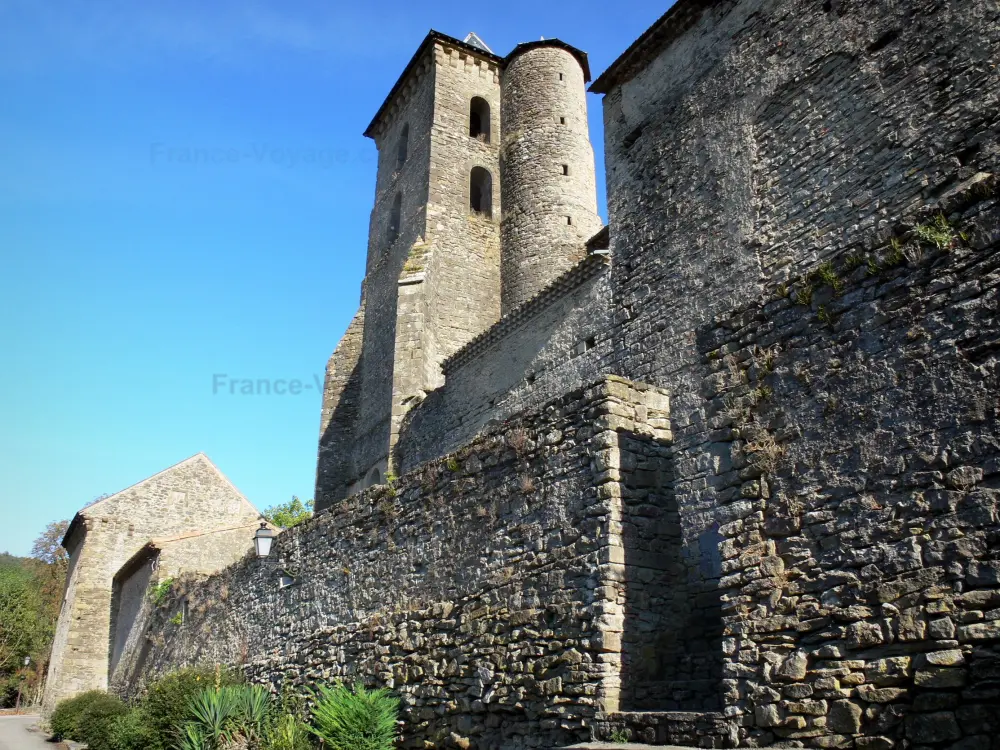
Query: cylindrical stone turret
(548,192)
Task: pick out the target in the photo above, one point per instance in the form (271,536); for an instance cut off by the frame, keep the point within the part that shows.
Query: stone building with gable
(188,518)
(724,473)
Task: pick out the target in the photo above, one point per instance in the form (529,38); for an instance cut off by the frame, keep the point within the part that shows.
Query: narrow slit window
(565,168)
(403,147)
(569,221)
(562,120)
(394,217)
(560,76)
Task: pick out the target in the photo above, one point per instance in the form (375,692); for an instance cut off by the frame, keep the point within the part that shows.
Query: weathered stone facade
(804,548)
(433,279)
(184,500)
(546,168)
(493,589)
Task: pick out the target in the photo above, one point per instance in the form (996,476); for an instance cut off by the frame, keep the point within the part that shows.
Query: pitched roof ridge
(143,481)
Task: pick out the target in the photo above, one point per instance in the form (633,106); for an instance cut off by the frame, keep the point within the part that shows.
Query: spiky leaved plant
(355,719)
(212,712)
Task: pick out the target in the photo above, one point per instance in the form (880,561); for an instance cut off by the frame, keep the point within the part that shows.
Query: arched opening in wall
(374,477)
(481,191)
(401,149)
(394,214)
(479,119)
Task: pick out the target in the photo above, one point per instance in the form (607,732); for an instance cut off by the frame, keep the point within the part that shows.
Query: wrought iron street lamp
(262,540)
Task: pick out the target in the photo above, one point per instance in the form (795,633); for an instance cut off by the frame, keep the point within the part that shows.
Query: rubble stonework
(190,500)
(507,592)
(802,549)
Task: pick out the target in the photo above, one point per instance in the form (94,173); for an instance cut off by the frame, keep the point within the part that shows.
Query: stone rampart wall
(854,416)
(492,589)
(546,352)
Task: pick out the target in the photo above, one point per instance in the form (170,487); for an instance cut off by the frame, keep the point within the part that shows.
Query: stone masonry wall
(183,499)
(856,420)
(337,469)
(388,253)
(129,609)
(454,279)
(746,143)
(547,171)
(532,358)
(434,284)
(493,590)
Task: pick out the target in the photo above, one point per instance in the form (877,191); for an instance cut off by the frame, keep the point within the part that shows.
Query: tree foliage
(48,546)
(22,624)
(31,591)
(292,513)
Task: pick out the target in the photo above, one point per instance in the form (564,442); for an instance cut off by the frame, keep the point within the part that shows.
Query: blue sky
(184,194)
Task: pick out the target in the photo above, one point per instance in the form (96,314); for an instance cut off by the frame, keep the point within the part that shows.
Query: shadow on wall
(337,466)
(672,638)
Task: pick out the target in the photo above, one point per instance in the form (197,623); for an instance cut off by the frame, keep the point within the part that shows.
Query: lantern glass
(262,540)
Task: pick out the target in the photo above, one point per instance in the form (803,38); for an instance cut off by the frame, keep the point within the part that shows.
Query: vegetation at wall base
(208,709)
(355,719)
(167,700)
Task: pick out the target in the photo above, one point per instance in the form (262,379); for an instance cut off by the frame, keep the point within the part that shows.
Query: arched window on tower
(479,119)
(481,191)
(394,214)
(404,138)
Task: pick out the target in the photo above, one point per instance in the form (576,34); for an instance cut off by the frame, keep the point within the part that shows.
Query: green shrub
(166,702)
(131,731)
(288,733)
(95,722)
(212,712)
(64,721)
(357,719)
(235,715)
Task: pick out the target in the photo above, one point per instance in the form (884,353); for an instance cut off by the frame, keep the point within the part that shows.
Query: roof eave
(579,54)
(428,41)
(664,30)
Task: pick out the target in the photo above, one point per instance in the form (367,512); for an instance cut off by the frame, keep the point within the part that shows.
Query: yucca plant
(253,712)
(355,719)
(212,712)
(190,737)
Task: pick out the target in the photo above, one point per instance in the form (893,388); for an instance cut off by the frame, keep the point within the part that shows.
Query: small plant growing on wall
(390,485)
(826,274)
(160,591)
(937,232)
(177,619)
(621,736)
(764,452)
(518,440)
(452,464)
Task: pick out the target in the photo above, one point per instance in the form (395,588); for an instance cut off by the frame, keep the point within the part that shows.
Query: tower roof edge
(579,54)
(428,41)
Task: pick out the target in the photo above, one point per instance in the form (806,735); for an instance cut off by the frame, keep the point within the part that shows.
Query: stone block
(845,717)
(940,726)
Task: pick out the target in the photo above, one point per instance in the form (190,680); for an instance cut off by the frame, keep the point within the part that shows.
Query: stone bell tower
(432,278)
(549,189)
